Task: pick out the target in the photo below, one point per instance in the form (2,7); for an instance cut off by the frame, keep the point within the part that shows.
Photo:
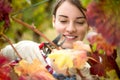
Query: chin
(67,45)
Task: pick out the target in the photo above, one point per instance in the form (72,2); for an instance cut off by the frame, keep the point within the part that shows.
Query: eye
(63,21)
(80,22)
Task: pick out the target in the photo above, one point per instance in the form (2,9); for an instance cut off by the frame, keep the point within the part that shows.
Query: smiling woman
(70,21)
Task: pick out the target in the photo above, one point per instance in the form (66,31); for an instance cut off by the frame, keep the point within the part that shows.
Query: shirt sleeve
(28,50)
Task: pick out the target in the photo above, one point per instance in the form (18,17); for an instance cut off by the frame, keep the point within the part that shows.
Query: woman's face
(70,22)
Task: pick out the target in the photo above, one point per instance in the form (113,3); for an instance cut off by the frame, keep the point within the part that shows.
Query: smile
(70,37)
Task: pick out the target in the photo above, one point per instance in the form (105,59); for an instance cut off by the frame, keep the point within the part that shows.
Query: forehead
(66,8)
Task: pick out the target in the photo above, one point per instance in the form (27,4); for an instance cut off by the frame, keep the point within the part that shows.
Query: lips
(70,37)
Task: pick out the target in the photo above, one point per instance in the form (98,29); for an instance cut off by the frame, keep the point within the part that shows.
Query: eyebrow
(63,16)
(67,17)
(80,17)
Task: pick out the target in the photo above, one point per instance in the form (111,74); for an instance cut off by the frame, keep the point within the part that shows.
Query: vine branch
(35,30)
(6,38)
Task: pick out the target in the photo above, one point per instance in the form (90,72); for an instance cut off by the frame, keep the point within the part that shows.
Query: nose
(71,27)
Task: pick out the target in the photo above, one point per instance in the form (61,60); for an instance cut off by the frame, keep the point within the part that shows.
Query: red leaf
(104,16)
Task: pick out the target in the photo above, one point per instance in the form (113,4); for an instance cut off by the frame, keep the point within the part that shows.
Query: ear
(53,20)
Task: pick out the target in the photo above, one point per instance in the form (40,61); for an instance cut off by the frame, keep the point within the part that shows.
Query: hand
(28,50)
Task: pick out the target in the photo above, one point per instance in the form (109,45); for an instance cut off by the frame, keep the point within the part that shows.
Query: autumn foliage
(104,16)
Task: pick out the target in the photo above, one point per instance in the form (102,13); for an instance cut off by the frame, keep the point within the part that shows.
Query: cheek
(82,31)
(59,28)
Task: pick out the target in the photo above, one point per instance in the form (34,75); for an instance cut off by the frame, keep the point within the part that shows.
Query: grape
(62,77)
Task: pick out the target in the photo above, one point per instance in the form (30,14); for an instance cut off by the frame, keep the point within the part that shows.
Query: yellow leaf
(61,58)
(79,45)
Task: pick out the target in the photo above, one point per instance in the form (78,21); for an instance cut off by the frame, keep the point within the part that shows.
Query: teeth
(70,37)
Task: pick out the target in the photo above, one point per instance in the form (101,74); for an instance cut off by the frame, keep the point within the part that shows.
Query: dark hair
(74,2)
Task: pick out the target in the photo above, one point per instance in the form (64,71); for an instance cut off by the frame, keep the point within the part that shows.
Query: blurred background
(33,12)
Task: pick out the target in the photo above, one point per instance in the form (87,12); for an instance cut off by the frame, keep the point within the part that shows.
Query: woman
(68,19)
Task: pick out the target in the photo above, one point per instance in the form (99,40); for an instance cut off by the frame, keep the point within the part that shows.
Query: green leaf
(101,51)
(94,47)
(112,75)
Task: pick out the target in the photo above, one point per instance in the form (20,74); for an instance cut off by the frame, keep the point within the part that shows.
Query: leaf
(106,63)
(104,16)
(4,68)
(33,70)
(101,51)
(112,75)
(97,68)
(94,47)
(62,58)
(99,44)
(68,59)
(80,59)
(79,45)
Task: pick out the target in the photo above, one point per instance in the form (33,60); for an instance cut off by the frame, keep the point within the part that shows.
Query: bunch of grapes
(5,9)
(62,77)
